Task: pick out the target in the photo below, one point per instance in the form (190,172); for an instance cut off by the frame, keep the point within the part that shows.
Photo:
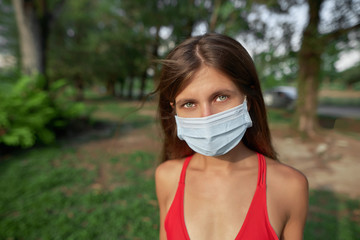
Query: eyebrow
(214,94)
(185,100)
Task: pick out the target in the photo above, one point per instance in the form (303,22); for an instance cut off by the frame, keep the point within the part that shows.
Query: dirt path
(330,164)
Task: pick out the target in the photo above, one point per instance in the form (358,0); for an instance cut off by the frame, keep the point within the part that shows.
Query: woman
(220,177)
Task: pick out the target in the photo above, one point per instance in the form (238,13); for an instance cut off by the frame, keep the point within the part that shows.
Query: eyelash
(185,104)
(226,97)
(216,99)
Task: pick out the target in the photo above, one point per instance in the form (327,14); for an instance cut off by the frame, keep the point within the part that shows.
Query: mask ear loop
(247,103)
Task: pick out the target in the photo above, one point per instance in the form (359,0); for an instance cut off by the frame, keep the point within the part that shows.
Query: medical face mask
(216,134)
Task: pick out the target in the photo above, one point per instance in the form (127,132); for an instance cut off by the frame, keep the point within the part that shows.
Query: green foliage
(29,114)
(329,58)
(276,70)
(351,76)
(8,30)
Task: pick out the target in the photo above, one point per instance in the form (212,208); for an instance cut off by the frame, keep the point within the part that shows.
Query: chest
(218,204)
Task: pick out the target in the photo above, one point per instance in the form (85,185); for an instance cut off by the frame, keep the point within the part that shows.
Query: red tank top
(256,224)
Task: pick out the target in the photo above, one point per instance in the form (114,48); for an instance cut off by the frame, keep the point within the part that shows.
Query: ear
(172,104)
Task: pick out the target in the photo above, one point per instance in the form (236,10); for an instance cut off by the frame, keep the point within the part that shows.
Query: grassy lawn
(65,192)
(49,194)
(332,216)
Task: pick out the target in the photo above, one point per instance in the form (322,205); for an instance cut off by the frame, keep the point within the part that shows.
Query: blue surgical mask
(216,134)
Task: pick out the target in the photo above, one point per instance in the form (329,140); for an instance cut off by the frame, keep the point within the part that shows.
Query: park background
(79,137)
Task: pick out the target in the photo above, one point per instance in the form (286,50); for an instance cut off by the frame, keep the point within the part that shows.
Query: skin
(219,189)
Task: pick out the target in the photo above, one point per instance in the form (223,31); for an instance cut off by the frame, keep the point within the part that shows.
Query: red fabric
(256,224)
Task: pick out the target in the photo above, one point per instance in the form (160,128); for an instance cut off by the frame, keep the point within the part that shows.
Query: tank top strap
(183,171)
(262,170)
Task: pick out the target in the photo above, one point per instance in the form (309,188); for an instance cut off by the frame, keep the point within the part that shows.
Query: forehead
(206,80)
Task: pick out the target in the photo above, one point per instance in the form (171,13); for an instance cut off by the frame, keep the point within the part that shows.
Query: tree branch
(214,15)
(339,32)
(54,14)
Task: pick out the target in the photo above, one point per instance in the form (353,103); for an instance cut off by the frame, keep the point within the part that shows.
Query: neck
(233,159)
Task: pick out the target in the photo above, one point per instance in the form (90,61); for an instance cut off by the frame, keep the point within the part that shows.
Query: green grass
(122,112)
(48,194)
(332,216)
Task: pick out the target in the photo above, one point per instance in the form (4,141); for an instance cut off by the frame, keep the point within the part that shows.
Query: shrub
(28,114)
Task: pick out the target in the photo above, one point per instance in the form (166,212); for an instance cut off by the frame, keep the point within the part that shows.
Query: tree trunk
(110,87)
(33,19)
(142,85)
(131,88)
(190,22)
(79,84)
(309,69)
(308,88)
(155,55)
(122,87)
(29,34)
(214,15)
(44,20)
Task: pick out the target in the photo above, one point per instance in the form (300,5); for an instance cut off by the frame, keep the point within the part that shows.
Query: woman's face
(209,92)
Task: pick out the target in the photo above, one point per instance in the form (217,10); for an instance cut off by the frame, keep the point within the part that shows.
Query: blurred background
(79,140)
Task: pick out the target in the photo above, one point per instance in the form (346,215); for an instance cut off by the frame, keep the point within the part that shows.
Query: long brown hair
(230,57)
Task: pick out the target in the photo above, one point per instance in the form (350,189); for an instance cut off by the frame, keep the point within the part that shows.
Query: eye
(221,98)
(189,105)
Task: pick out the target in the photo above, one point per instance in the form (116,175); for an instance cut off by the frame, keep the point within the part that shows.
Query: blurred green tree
(344,19)
(329,24)
(8,40)
(276,70)
(33,23)
(351,76)
(70,51)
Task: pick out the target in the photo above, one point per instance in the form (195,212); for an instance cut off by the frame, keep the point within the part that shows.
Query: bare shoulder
(287,186)
(167,176)
(169,170)
(285,176)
